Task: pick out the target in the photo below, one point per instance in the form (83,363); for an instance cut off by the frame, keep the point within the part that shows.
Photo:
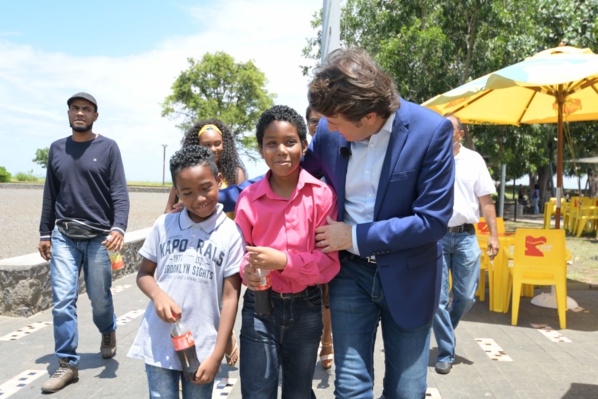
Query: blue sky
(109,28)
(128,54)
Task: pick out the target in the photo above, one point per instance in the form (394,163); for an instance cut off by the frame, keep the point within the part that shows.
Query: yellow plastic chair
(540,258)
(574,213)
(486,264)
(481,227)
(549,211)
(565,206)
(568,209)
(588,216)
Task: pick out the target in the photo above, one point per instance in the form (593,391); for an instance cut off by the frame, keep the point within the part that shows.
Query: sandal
(326,359)
(232,358)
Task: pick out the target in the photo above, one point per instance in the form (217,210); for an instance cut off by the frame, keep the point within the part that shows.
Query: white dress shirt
(363,176)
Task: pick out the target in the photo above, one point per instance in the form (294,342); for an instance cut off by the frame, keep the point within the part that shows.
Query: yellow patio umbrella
(554,86)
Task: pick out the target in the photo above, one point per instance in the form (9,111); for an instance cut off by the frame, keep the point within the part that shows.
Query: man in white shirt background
(461,253)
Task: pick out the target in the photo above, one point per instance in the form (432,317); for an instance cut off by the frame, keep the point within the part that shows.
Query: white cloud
(34,84)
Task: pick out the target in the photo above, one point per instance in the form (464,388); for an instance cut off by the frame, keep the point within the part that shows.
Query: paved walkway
(494,359)
(528,361)
(20,211)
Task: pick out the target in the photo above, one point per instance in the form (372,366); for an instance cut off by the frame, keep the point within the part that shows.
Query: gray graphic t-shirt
(193,259)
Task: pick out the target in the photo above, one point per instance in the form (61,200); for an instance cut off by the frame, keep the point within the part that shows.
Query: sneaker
(443,367)
(61,377)
(108,346)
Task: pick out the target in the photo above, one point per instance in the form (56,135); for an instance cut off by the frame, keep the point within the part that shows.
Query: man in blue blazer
(390,162)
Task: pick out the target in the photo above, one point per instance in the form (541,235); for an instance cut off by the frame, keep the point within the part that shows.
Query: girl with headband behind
(215,135)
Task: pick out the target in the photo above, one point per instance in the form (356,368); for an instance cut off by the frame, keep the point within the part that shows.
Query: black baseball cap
(84,96)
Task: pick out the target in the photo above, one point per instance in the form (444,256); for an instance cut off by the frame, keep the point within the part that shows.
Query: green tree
(41,157)
(430,47)
(5,175)
(218,87)
(575,23)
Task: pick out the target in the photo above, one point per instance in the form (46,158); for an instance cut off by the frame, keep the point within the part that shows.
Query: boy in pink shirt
(278,217)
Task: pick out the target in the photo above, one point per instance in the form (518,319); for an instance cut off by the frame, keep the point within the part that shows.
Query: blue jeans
(164,384)
(536,207)
(289,338)
(461,254)
(69,257)
(358,306)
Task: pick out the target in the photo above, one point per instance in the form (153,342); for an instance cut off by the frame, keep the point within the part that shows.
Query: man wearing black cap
(85,212)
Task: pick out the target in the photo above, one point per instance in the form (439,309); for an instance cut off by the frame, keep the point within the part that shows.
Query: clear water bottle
(184,345)
(263,295)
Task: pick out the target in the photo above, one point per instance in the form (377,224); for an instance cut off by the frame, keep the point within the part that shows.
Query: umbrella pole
(559,158)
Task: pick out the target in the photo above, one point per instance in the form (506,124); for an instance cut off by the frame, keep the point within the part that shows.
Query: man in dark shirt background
(84,214)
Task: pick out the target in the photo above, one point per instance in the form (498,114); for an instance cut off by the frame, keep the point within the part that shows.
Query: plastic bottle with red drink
(184,345)
(263,295)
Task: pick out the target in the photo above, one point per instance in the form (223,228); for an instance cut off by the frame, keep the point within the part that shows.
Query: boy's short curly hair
(281,113)
(190,156)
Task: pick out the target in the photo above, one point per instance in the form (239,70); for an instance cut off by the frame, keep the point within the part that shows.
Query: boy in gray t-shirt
(190,269)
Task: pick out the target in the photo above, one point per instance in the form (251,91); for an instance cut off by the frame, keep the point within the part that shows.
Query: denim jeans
(69,257)
(461,254)
(289,338)
(164,384)
(358,306)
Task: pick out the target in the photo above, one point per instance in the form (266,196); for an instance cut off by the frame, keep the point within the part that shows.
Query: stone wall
(25,286)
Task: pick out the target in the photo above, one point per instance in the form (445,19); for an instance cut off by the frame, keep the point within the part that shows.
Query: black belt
(464,228)
(306,292)
(352,256)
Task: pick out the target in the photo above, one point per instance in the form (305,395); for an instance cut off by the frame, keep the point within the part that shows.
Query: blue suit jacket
(414,203)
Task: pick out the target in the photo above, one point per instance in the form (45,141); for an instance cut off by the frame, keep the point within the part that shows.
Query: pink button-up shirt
(289,225)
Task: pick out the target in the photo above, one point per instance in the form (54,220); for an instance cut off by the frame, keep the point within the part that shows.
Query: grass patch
(22,177)
(584,253)
(148,184)
(25,177)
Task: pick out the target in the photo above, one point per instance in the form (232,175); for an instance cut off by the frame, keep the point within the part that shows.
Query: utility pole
(331,23)
(164,163)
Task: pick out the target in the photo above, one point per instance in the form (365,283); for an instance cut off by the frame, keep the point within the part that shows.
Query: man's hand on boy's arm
(334,236)
(266,258)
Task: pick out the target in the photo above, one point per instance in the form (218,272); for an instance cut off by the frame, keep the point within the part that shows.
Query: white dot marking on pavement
(579,309)
(127,317)
(223,387)
(492,349)
(23,332)
(119,288)
(549,333)
(433,393)
(15,384)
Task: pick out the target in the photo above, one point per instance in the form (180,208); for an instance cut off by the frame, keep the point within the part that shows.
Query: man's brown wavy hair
(351,84)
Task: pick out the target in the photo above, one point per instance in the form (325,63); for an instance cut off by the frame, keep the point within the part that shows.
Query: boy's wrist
(156,294)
